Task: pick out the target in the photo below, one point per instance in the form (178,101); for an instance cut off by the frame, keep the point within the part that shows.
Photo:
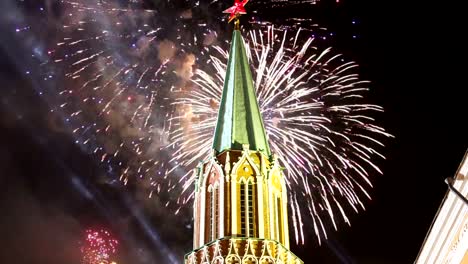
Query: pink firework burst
(99,247)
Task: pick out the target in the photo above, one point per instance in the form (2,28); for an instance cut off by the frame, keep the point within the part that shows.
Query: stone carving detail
(232,250)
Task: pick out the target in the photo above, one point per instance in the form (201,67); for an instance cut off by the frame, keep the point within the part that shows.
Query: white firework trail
(315,117)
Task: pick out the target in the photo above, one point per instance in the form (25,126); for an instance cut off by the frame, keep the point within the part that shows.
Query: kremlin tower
(240,206)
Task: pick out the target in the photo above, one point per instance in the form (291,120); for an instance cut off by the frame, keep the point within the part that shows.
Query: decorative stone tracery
(232,250)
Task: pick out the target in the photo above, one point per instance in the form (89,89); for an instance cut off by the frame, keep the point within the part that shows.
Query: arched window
(250,209)
(247,209)
(274,221)
(242,209)
(208,211)
(214,212)
(279,221)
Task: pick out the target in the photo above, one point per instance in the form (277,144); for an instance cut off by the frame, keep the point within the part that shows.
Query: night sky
(51,189)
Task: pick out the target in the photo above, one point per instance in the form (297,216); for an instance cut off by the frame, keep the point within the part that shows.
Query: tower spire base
(242,250)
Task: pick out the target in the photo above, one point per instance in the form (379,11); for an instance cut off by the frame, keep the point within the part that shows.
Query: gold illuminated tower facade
(240,205)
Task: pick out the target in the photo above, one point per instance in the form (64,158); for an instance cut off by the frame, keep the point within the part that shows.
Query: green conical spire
(239,118)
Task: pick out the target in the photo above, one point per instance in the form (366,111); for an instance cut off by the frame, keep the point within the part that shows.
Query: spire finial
(236,11)
(236,24)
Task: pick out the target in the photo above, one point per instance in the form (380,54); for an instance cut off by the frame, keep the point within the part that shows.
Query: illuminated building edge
(447,239)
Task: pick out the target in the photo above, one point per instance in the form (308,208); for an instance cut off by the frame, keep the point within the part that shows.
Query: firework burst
(99,247)
(316,120)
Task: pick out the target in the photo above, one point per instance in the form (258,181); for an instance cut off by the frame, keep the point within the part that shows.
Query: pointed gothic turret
(239,118)
(240,198)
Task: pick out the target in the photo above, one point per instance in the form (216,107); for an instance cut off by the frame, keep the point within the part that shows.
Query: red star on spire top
(237,9)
